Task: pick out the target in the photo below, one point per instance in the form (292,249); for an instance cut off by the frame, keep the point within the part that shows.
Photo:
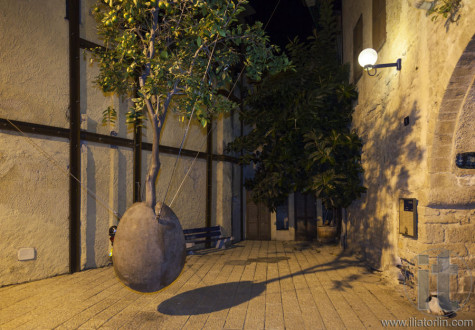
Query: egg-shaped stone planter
(148,254)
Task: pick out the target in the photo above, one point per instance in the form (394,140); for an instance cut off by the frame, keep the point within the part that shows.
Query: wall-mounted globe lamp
(368,58)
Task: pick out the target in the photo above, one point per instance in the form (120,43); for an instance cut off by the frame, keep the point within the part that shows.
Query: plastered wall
(34,72)
(33,207)
(399,161)
(33,190)
(34,185)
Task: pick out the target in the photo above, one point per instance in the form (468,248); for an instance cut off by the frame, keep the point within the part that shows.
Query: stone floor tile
(255,285)
(274,317)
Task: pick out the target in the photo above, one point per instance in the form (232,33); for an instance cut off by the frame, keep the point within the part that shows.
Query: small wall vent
(25,254)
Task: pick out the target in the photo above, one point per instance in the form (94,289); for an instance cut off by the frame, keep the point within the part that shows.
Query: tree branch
(150,193)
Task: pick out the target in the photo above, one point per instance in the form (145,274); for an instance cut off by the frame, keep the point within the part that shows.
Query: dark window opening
(379,23)
(282,216)
(357,48)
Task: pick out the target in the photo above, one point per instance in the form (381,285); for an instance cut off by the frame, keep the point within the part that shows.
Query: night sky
(291,18)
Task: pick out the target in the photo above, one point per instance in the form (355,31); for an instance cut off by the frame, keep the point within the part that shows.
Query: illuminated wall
(34,184)
(435,91)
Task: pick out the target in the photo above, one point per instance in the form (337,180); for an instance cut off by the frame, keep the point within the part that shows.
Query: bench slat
(207,240)
(199,230)
(205,235)
(218,243)
(195,236)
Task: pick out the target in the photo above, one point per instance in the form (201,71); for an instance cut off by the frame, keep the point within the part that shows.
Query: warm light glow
(367,56)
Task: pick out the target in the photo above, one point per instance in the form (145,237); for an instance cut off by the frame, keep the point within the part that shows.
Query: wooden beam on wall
(61,132)
(34,128)
(75,139)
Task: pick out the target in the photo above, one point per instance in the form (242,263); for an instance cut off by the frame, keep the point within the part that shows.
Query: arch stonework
(450,186)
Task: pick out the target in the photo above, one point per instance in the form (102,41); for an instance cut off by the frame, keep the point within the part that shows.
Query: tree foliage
(177,48)
(335,168)
(177,54)
(300,138)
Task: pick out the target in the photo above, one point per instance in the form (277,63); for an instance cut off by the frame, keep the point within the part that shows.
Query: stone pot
(148,254)
(326,234)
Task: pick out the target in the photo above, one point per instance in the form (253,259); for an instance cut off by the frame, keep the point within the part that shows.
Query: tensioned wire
(94,195)
(52,160)
(211,130)
(184,135)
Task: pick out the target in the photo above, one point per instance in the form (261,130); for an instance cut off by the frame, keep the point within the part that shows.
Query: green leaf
(109,115)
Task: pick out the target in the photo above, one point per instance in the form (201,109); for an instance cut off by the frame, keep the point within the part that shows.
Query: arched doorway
(454,133)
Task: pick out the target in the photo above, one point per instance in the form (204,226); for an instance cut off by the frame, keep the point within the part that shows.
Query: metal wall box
(408,216)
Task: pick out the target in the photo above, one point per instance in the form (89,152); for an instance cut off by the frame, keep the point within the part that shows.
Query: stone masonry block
(454,284)
(466,61)
(457,249)
(461,234)
(461,297)
(447,193)
(471,263)
(471,46)
(471,249)
(429,211)
(468,284)
(455,93)
(450,105)
(441,151)
(443,139)
(464,218)
(432,233)
(448,116)
(440,219)
(437,165)
(441,181)
(446,127)
(461,77)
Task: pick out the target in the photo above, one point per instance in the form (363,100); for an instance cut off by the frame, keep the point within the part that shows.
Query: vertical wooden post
(241,107)
(137,163)
(75,139)
(209,172)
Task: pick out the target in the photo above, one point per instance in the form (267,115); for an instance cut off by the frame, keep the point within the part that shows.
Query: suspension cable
(213,128)
(186,131)
(94,195)
(55,163)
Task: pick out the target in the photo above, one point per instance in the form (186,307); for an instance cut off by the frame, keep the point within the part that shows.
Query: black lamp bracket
(368,68)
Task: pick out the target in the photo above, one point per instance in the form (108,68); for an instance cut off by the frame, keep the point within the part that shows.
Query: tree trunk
(344,229)
(150,191)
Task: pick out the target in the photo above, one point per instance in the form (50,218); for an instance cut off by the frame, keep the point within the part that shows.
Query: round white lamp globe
(367,56)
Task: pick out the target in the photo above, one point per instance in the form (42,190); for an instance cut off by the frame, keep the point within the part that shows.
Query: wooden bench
(200,238)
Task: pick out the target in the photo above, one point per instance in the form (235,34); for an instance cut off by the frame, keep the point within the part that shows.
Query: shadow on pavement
(218,297)
(211,298)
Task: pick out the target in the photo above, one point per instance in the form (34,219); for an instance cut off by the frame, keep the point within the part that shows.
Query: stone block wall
(435,90)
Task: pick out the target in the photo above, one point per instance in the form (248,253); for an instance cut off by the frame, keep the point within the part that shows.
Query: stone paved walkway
(255,285)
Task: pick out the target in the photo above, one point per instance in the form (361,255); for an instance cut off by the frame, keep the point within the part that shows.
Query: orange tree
(176,55)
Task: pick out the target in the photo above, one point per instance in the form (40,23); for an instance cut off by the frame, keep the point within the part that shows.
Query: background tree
(335,168)
(300,123)
(176,55)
